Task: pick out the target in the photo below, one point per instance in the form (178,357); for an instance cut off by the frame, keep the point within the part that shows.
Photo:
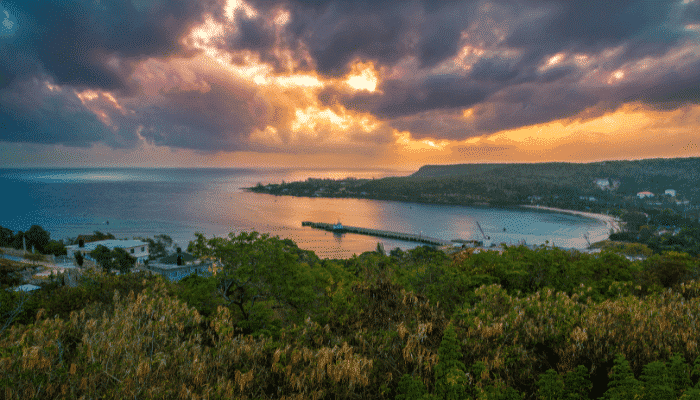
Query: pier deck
(411,237)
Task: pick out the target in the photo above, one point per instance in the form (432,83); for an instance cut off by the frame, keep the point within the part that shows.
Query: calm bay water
(180,202)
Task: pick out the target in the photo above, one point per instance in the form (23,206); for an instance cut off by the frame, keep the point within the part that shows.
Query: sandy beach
(612,222)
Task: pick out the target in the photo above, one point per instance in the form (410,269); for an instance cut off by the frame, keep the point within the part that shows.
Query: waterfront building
(135,248)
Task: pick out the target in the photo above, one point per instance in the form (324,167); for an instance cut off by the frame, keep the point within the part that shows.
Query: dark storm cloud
(337,32)
(97,44)
(219,119)
(591,26)
(91,43)
(400,98)
(31,113)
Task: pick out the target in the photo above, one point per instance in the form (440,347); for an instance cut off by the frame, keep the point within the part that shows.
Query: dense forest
(277,322)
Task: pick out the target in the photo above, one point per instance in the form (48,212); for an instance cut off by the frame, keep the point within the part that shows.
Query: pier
(411,237)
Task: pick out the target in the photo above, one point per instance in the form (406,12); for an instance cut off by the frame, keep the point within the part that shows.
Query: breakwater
(411,237)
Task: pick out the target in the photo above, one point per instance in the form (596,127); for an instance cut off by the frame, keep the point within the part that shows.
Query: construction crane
(482,232)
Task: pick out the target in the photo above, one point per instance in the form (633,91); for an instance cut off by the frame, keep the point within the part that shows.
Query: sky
(346,84)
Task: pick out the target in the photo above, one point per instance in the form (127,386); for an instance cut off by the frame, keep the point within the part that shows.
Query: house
(135,248)
(642,195)
(670,192)
(180,265)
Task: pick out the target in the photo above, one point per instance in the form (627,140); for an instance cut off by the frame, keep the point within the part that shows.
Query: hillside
(655,175)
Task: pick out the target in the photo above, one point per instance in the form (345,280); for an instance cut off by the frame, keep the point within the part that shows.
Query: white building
(670,192)
(135,248)
(642,195)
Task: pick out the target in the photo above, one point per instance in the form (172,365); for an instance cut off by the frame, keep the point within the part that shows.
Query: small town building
(670,192)
(643,195)
(176,272)
(135,248)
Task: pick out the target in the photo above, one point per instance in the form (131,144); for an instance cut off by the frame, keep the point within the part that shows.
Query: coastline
(611,222)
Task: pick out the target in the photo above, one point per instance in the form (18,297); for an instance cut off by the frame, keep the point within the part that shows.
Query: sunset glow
(222,82)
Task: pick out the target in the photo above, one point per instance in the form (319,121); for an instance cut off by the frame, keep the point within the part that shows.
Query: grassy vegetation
(277,322)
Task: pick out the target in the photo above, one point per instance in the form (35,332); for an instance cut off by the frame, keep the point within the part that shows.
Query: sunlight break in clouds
(388,83)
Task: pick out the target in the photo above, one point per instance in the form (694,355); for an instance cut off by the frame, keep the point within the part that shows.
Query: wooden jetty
(411,237)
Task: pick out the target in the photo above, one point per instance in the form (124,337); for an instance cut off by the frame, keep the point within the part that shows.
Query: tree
(577,383)
(17,240)
(411,389)
(258,273)
(679,374)
(450,378)
(6,236)
(56,247)
(122,260)
(622,384)
(79,259)
(37,237)
(159,245)
(103,257)
(200,292)
(550,386)
(657,384)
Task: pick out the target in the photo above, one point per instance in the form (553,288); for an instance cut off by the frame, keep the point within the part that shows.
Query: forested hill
(599,186)
(651,174)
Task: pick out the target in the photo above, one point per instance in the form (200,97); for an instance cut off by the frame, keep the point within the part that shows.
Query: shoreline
(611,222)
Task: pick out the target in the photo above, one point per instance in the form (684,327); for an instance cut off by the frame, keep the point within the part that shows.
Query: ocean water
(180,202)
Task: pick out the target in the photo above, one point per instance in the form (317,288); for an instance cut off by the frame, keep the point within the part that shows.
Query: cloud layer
(355,77)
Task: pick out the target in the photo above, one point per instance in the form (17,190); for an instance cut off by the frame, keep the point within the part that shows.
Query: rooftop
(26,288)
(111,244)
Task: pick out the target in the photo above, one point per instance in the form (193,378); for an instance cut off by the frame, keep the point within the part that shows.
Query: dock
(411,237)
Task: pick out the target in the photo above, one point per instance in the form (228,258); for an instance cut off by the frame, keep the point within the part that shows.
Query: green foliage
(18,240)
(450,377)
(622,384)
(200,292)
(679,374)
(117,259)
(55,247)
(37,237)
(6,237)
(122,260)
(550,386)
(158,246)
(577,384)
(258,274)
(667,269)
(656,382)
(103,257)
(525,271)
(411,389)
(368,327)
